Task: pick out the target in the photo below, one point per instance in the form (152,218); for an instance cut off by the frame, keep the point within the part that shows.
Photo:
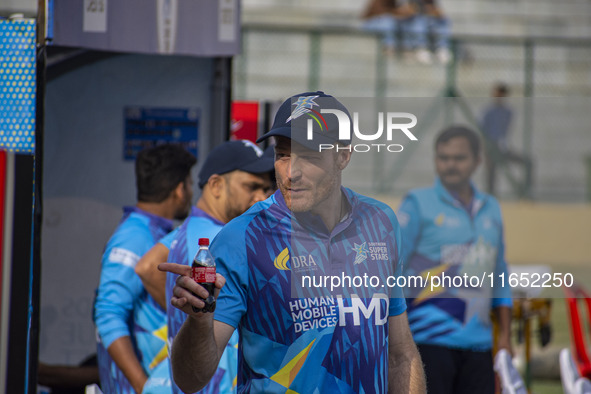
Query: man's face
(499,95)
(243,190)
(455,163)
(305,177)
(184,205)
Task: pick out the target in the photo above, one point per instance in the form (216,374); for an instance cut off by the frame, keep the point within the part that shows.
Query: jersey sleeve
(501,294)
(485,121)
(168,238)
(229,251)
(397,300)
(410,223)
(119,285)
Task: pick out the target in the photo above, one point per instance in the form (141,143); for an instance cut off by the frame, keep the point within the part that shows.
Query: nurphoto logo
(391,124)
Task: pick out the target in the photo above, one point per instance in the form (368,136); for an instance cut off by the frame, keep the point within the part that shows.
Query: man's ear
(216,184)
(343,158)
(179,191)
(478,161)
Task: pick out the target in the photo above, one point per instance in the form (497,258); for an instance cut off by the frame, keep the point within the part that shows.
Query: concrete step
(552,76)
(452,7)
(570,18)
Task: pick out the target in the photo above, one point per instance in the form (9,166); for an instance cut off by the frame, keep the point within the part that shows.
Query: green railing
(315,35)
(527,64)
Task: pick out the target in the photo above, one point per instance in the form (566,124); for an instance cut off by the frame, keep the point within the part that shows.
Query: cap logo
(258,151)
(305,105)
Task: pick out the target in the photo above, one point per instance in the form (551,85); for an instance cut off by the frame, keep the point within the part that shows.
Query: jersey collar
(478,198)
(313,222)
(200,213)
(161,222)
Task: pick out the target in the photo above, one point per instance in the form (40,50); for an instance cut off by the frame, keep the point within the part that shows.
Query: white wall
(27,7)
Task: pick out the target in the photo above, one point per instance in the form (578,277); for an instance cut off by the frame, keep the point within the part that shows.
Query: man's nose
(294,170)
(259,195)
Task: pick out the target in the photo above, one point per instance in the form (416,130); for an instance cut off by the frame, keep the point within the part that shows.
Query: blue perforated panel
(17,85)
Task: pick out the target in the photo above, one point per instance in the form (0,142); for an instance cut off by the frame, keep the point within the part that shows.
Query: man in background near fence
(496,123)
(128,320)
(452,230)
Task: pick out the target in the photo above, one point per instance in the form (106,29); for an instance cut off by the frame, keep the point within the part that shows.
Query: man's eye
(254,187)
(311,158)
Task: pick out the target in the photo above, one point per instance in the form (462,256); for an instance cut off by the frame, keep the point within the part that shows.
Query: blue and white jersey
(441,238)
(122,305)
(323,344)
(183,248)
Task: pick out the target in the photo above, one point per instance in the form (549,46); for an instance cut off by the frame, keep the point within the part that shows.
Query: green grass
(547,387)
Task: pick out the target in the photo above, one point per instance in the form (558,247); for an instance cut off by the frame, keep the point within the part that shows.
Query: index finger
(179,269)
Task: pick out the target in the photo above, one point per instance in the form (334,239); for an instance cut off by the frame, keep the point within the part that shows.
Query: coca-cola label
(204,274)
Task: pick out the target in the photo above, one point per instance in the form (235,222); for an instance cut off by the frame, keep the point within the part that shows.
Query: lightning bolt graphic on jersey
(361,253)
(303,106)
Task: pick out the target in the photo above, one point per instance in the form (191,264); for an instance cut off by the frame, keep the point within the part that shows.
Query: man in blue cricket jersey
(129,322)
(453,230)
(318,341)
(235,175)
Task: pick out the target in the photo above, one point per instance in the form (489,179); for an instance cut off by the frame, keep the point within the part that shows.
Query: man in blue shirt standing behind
(128,320)
(453,230)
(235,176)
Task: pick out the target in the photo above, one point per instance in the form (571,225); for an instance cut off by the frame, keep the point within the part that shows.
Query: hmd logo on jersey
(395,122)
(359,308)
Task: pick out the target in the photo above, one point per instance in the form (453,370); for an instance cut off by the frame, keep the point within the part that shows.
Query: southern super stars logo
(361,251)
(304,105)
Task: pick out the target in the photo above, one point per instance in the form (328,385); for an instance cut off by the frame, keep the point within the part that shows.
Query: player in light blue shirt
(129,323)
(235,175)
(452,229)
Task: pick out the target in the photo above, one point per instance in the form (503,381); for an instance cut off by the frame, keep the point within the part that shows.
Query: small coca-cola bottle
(204,274)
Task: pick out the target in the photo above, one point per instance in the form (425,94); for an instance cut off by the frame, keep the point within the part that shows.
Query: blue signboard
(17,85)
(147,127)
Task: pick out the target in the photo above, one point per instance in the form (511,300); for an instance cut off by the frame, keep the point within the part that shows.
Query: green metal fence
(278,60)
(544,66)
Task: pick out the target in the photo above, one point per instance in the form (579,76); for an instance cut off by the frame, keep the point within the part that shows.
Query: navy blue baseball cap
(240,155)
(301,119)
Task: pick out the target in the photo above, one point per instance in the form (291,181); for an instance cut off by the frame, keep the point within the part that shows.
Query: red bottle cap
(203,241)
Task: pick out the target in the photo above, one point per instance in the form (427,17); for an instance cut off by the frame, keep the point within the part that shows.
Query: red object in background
(245,120)
(574,295)
(2,199)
